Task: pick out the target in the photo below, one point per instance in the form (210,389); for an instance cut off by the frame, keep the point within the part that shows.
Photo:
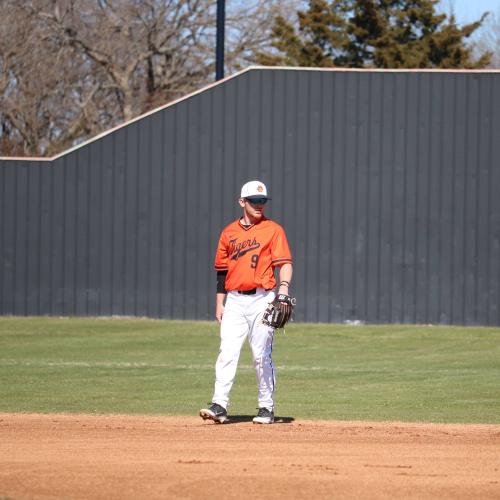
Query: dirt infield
(85,457)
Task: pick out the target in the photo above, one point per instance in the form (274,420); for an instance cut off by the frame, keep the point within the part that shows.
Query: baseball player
(249,250)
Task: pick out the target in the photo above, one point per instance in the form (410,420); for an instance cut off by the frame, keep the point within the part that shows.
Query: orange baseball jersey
(249,254)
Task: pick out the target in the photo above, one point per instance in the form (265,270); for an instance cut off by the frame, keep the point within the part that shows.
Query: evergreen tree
(374,33)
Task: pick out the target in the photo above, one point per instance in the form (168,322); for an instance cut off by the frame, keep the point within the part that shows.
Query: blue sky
(467,11)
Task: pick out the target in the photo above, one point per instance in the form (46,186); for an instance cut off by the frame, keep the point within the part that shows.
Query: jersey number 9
(255,259)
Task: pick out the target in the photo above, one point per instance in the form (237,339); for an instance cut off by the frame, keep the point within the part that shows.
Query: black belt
(253,291)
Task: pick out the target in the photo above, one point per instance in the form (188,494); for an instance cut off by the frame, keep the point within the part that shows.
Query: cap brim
(256,197)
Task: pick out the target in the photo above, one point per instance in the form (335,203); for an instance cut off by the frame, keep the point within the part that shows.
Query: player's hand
(219,311)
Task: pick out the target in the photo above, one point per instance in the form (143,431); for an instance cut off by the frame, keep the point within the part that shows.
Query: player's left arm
(282,258)
(286,273)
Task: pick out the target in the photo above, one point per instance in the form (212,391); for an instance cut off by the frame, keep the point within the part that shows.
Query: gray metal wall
(386,182)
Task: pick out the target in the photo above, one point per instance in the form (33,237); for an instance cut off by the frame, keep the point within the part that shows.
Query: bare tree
(71,69)
(248,30)
(489,39)
(90,64)
(28,85)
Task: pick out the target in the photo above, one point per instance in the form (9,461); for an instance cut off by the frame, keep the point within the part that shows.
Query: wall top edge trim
(235,75)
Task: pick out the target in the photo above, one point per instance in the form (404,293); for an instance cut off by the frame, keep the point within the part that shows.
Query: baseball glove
(279,311)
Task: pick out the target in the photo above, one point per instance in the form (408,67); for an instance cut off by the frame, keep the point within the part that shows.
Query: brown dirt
(108,457)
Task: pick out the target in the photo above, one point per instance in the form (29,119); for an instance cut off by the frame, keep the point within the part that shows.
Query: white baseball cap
(254,189)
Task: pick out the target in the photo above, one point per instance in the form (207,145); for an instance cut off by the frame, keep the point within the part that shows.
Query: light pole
(219,47)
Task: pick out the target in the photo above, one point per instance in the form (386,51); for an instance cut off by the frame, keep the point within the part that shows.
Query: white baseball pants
(242,319)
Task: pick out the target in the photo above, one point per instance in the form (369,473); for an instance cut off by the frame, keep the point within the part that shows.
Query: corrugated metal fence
(386,182)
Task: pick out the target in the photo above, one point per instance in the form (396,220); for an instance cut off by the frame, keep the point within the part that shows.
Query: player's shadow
(238,419)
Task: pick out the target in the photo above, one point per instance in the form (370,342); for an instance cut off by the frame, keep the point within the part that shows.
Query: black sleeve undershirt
(221,281)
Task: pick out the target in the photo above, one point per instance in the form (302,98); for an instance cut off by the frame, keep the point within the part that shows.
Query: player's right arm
(221,264)
(219,306)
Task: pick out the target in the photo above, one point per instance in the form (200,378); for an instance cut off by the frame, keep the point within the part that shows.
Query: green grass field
(141,366)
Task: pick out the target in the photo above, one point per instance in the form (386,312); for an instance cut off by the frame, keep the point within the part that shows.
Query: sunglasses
(257,201)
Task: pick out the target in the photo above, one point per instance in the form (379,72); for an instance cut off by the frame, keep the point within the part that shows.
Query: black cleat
(214,412)
(265,416)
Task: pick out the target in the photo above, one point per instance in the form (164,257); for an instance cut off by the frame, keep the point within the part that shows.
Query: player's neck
(248,220)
